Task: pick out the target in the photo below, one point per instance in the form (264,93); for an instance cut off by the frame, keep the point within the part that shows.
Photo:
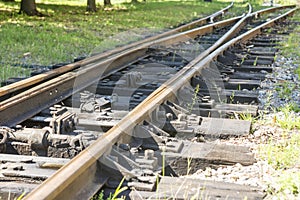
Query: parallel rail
(59,88)
(11,89)
(80,178)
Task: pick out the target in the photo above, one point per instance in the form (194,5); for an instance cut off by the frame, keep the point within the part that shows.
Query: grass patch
(297,71)
(283,151)
(290,47)
(285,89)
(284,156)
(289,120)
(13,71)
(68,31)
(287,185)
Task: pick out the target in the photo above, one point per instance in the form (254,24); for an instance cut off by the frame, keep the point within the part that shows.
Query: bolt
(134,150)
(181,117)
(149,154)
(136,96)
(169,116)
(57,106)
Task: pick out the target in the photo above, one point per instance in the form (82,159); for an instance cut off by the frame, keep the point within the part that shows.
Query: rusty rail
(57,89)
(81,171)
(61,87)
(9,90)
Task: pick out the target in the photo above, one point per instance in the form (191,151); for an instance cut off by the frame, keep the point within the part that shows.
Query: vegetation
(289,120)
(285,89)
(290,48)
(283,151)
(67,30)
(115,195)
(284,156)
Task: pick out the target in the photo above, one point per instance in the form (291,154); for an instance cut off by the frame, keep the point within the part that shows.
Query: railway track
(147,112)
(57,70)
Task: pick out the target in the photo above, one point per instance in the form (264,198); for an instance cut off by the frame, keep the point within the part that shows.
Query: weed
(285,89)
(275,57)
(267,106)
(297,71)
(100,196)
(247,117)
(118,191)
(243,60)
(163,161)
(113,196)
(194,99)
(289,182)
(289,120)
(283,154)
(21,196)
(232,97)
(255,61)
(189,160)
(9,71)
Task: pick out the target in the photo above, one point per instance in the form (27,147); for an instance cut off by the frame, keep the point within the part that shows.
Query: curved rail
(57,89)
(9,90)
(61,87)
(81,170)
(270,10)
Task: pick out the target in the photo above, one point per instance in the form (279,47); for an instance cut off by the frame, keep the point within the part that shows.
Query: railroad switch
(41,142)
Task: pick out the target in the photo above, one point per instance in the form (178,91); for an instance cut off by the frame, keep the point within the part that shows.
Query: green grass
(289,120)
(284,156)
(68,31)
(285,89)
(283,150)
(13,71)
(297,71)
(115,196)
(283,153)
(290,47)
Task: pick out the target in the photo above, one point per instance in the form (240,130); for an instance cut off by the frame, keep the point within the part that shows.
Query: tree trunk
(91,6)
(107,3)
(29,7)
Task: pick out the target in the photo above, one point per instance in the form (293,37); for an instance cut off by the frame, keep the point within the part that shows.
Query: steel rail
(73,172)
(270,10)
(55,90)
(9,90)
(86,163)
(61,87)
